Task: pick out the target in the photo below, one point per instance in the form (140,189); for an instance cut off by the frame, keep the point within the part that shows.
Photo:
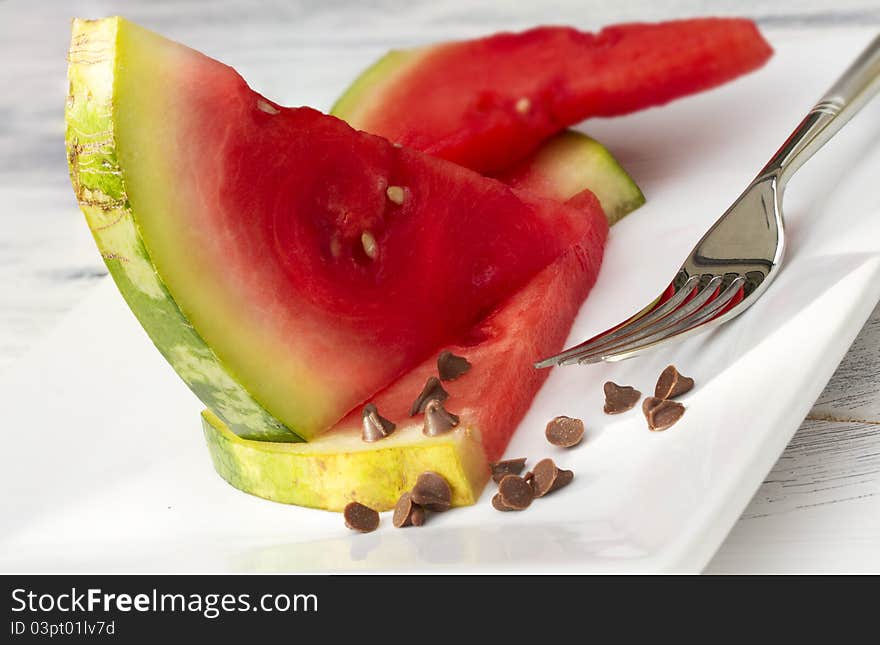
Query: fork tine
(703,295)
(712,308)
(691,300)
(650,314)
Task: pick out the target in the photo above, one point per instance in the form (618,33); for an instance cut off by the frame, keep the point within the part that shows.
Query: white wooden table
(819,508)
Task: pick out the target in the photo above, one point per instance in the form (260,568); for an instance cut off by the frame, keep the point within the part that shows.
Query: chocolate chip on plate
(507,467)
(498,503)
(450,366)
(403,511)
(433,492)
(432,390)
(620,398)
(548,477)
(563,478)
(437,419)
(661,413)
(565,432)
(407,512)
(672,384)
(516,493)
(418,516)
(375,426)
(360,518)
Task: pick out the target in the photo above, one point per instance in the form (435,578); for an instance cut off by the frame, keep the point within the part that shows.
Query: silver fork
(735,262)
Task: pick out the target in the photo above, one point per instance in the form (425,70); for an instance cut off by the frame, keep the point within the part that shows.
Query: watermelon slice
(491,400)
(287,266)
(572,167)
(486,103)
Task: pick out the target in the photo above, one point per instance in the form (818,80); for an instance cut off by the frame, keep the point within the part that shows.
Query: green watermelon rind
(99,185)
(338,467)
(365,85)
(599,170)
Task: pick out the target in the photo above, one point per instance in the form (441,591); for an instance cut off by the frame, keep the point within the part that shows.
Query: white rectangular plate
(103,466)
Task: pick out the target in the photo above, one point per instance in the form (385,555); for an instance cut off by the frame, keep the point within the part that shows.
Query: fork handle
(859,83)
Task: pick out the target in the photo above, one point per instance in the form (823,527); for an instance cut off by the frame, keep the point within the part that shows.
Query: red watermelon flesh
(276,236)
(454,248)
(486,103)
(496,393)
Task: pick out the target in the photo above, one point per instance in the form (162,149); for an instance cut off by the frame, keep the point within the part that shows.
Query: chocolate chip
(417,517)
(620,398)
(407,512)
(515,492)
(547,477)
(661,413)
(672,384)
(375,426)
(437,420)
(563,478)
(450,366)
(360,518)
(403,511)
(565,432)
(507,467)
(432,390)
(542,477)
(432,492)
(498,504)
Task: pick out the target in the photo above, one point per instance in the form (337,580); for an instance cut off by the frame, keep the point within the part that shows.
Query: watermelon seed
(335,247)
(266,107)
(437,419)
(523,105)
(371,248)
(375,426)
(395,194)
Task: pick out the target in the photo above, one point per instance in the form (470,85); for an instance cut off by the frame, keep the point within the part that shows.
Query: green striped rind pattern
(99,185)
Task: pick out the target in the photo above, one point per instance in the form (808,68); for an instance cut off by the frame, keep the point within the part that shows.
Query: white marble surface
(819,509)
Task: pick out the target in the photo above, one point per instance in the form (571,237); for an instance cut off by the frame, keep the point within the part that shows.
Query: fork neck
(848,95)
